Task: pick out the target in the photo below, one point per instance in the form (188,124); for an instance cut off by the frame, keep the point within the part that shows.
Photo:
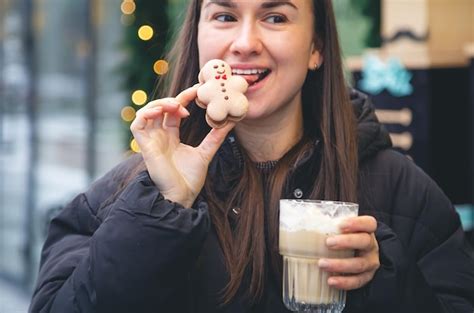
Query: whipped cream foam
(321,216)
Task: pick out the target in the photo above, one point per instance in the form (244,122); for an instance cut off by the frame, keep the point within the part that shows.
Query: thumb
(212,142)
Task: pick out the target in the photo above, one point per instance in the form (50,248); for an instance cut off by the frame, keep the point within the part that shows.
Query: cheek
(210,45)
(290,48)
(279,45)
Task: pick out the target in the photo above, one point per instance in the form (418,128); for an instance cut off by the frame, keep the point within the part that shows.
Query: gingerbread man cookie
(221,94)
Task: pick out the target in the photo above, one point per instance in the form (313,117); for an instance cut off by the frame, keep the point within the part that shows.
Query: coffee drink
(304,228)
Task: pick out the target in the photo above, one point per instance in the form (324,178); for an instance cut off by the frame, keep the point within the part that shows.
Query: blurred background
(74,72)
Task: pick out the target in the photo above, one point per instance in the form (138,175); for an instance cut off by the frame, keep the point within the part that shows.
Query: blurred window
(60,125)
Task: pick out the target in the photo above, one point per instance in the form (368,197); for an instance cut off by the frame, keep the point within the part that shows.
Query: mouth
(252,76)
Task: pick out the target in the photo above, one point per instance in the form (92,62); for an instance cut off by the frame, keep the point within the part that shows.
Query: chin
(255,115)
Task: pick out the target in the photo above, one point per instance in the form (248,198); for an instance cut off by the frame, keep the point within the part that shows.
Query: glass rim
(343,203)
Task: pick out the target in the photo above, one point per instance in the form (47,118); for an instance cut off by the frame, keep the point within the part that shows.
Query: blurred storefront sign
(421,82)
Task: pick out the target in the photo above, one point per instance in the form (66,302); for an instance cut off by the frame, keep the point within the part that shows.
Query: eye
(215,66)
(276,19)
(223,65)
(223,17)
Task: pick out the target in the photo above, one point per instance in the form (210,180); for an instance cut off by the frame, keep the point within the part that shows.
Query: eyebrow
(277,3)
(265,5)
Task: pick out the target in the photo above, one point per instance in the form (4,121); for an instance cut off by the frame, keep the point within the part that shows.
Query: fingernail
(345,224)
(323,263)
(331,241)
(184,111)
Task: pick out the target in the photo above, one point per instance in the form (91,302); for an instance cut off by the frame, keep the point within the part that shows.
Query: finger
(173,118)
(213,141)
(364,223)
(171,106)
(167,103)
(141,120)
(356,241)
(155,114)
(187,95)
(350,282)
(148,118)
(154,111)
(138,124)
(356,265)
(150,124)
(158,121)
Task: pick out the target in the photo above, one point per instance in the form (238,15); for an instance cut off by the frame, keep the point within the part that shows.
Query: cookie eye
(216,66)
(223,65)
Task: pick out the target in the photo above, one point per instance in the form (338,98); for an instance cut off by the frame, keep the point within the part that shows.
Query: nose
(247,41)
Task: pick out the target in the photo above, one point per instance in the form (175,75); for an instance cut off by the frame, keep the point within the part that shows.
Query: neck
(269,139)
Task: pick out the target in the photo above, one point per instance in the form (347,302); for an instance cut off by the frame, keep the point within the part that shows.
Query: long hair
(328,117)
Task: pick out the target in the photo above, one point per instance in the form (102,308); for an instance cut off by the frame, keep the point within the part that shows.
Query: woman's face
(268,42)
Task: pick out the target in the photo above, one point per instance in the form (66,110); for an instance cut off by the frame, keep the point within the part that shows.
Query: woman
(190,225)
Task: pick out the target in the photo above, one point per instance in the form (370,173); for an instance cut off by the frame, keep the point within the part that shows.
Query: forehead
(263,3)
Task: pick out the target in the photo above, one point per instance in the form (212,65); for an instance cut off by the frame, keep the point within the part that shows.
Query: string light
(161,67)
(128,114)
(145,32)
(139,97)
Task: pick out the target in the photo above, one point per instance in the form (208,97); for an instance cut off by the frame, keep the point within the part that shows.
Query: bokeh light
(145,32)
(139,97)
(134,146)
(161,67)
(128,7)
(128,114)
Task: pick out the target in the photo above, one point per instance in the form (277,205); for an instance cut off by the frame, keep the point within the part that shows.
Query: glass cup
(304,227)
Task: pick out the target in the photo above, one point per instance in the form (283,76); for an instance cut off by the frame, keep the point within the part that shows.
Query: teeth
(248,71)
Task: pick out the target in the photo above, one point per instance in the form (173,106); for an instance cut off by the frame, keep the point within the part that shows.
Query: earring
(316,66)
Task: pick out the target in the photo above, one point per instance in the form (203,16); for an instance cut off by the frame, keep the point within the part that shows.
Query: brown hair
(328,116)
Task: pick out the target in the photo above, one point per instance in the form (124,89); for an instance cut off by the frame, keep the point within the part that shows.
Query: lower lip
(258,85)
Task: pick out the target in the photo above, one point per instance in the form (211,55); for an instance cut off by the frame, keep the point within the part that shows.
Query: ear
(315,59)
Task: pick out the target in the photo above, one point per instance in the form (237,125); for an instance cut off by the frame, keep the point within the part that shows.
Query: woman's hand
(358,234)
(178,170)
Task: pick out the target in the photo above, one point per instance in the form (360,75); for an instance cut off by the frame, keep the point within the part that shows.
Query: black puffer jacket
(137,252)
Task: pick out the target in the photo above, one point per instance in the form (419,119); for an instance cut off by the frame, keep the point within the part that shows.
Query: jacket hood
(372,136)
